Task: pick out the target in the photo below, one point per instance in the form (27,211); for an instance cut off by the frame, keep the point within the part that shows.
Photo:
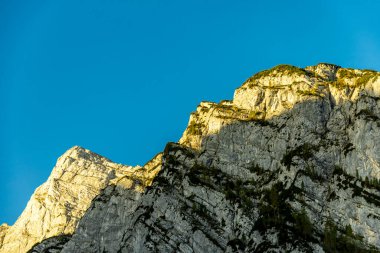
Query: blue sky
(121,77)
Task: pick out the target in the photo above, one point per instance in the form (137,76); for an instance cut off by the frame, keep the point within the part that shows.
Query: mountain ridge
(289,165)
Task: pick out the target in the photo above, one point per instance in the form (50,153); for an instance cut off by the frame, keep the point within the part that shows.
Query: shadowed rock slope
(292,164)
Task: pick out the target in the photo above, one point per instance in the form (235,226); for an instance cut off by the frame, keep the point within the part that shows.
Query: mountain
(57,205)
(291,164)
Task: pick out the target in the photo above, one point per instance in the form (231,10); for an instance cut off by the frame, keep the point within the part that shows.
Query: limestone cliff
(292,164)
(57,205)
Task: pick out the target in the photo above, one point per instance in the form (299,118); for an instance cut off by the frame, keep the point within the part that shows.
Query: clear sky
(121,77)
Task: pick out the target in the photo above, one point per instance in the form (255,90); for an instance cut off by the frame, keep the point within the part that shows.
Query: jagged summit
(77,149)
(57,205)
(274,91)
(80,152)
(291,164)
(288,74)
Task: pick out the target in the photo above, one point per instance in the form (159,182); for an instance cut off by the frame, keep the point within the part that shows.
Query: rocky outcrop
(56,206)
(292,164)
(3,231)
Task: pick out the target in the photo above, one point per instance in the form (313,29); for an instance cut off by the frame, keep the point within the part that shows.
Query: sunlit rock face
(56,206)
(291,164)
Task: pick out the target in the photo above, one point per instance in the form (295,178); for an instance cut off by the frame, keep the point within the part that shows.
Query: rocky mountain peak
(77,152)
(57,205)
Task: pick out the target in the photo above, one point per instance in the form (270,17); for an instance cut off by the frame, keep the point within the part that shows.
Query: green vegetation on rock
(282,69)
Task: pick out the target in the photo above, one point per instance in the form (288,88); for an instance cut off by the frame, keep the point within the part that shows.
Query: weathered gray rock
(292,164)
(53,244)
